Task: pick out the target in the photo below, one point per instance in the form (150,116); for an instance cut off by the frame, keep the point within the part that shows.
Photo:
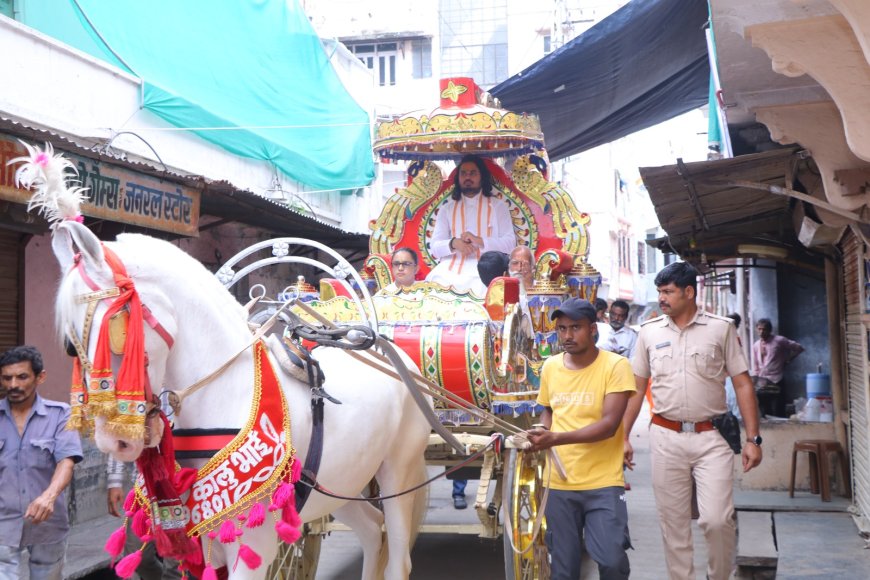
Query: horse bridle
(93,299)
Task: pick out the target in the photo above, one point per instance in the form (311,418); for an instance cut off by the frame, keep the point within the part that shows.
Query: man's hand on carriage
(541,438)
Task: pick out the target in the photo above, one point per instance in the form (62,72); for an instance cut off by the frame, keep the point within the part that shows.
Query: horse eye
(70,348)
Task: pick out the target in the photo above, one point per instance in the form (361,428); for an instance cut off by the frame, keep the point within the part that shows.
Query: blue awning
(644,64)
(251,77)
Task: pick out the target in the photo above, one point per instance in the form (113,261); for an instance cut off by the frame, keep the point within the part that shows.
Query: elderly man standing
(37,455)
(688,353)
(621,339)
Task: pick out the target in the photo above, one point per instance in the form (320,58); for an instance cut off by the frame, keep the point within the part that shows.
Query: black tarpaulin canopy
(644,64)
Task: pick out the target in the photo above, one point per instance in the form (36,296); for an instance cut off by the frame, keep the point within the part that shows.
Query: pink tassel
(291,517)
(228,532)
(128,501)
(256,516)
(295,471)
(282,494)
(140,524)
(209,573)
(251,559)
(115,543)
(287,533)
(127,566)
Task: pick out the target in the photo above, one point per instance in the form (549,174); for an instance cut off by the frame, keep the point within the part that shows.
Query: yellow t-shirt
(577,400)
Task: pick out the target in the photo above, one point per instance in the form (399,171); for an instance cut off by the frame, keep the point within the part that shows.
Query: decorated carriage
(275,444)
(480,355)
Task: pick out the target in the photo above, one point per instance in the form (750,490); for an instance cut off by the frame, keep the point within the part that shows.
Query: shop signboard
(115,193)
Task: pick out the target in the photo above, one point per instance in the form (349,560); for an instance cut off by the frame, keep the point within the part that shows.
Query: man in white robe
(470,223)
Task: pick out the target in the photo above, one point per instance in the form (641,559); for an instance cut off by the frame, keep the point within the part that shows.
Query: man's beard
(616,325)
(469,190)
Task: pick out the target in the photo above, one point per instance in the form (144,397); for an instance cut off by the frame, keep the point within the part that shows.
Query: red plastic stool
(818,451)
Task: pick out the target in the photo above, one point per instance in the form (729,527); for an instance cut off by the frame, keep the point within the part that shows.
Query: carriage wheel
(297,561)
(524,483)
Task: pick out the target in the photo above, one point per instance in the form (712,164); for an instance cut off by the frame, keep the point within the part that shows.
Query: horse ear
(70,235)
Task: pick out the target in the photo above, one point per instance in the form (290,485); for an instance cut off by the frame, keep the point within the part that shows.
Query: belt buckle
(687,427)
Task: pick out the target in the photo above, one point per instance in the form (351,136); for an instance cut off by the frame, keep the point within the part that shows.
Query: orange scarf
(122,401)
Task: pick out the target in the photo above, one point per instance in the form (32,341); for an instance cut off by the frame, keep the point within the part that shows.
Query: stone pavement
(814,539)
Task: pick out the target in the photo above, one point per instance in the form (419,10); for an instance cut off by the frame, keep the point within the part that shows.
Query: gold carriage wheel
(524,475)
(297,561)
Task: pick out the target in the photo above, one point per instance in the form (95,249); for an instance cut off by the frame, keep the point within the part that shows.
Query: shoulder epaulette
(656,319)
(717,317)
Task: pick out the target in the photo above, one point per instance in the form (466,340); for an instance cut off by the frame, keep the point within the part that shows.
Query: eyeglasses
(519,263)
(403,264)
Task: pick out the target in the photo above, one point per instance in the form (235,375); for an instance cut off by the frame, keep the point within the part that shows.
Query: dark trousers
(600,517)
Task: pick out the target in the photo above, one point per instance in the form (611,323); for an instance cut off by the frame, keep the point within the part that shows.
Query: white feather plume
(53,181)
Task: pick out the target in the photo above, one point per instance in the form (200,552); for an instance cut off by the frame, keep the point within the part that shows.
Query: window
(548,47)
(641,258)
(421,53)
(380,58)
(474,40)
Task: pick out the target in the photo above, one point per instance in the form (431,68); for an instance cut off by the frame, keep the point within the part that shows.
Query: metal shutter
(856,354)
(10,324)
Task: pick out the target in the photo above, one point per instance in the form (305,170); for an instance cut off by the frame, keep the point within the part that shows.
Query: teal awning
(250,76)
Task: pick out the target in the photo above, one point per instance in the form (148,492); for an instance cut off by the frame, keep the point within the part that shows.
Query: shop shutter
(9,289)
(856,354)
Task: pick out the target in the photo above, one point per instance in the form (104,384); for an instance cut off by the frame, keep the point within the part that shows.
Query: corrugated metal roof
(706,219)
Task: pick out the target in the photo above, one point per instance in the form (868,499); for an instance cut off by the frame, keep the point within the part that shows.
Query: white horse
(377,431)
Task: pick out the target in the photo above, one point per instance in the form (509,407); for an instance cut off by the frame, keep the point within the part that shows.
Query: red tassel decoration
(140,524)
(287,533)
(228,532)
(115,543)
(128,501)
(251,559)
(256,516)
(127,566)
(194,557)
(291,517)
(209,573)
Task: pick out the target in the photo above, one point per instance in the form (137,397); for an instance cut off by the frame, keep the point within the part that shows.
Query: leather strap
(312,459)
(682,427)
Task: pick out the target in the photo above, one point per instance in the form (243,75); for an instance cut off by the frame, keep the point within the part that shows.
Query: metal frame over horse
(143,295)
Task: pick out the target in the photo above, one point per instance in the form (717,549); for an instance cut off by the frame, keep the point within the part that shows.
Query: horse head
(102,303)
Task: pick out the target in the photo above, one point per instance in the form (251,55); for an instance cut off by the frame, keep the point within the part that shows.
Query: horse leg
(404,514)
(365,520)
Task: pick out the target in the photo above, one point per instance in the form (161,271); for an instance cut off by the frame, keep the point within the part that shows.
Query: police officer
(689,353)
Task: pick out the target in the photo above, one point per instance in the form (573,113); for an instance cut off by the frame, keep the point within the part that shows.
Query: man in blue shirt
(37,455)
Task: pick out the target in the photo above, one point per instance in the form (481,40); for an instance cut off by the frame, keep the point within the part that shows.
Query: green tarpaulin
(250,76)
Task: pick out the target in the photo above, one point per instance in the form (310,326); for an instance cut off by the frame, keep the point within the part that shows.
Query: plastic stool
(818,451)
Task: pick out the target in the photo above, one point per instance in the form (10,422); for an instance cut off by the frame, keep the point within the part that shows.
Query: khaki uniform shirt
(689,366)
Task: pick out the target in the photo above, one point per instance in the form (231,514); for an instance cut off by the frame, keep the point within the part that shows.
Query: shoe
(459,502)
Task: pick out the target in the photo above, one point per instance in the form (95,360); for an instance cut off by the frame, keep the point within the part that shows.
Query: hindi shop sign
(116,194)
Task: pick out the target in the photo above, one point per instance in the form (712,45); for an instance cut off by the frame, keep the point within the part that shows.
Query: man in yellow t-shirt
(584,392)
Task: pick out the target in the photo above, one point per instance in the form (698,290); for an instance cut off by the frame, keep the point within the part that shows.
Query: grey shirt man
(27,464)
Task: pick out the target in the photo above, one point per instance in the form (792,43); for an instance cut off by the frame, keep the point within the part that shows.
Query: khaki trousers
(677,458)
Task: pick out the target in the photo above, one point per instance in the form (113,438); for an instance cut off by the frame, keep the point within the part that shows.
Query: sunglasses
(403,264)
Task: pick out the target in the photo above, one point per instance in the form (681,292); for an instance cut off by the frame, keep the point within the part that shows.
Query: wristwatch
(756,440)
